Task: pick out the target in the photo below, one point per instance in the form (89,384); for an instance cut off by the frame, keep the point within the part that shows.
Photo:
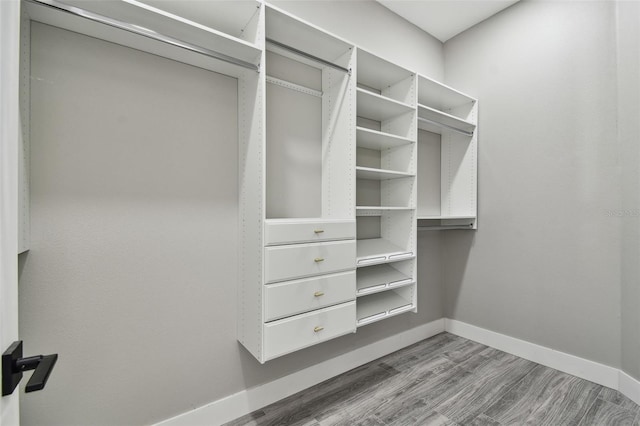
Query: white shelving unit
(447,157)
(385,189)
(298,265)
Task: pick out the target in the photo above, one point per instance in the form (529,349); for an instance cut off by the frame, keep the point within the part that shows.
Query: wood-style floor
(446,381)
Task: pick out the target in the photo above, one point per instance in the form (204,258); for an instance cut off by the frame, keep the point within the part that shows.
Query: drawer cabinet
(305,260)
(294,333)
(289,232)
(293,297)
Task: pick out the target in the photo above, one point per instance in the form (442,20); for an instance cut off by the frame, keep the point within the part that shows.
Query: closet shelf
(378,250)
(379,108)
(440,96)
(286,29)
(435,121)
(165,20)
(380,174)
(376,307)
(231,18)
(150,29)
(377,278)
(445,217)
(378,73)
(373,139)
(378,210)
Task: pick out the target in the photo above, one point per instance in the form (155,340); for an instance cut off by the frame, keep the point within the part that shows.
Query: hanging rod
(145,32)
(455,129)
(293,86)
(308,56)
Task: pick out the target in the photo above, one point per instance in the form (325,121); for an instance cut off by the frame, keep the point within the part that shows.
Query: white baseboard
(629,387)
(246,401)
(579,367)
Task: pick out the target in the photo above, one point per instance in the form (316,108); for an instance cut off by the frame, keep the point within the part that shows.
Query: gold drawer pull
(318,329)
(318,231)
(318,259)
(318,293)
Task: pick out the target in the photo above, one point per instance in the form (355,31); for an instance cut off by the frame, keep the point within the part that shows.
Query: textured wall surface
(544,265)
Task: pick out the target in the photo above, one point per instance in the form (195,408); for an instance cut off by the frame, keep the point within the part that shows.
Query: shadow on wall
(457,247)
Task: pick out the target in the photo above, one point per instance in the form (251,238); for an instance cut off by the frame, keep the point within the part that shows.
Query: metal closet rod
(308,55)
(145,32)
(455,129)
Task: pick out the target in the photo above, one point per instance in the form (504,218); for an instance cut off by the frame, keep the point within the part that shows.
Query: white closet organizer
(341,155)
(298,275)
(447,157)
(386,189)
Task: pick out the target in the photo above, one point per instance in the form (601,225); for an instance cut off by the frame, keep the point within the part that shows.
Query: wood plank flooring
(449,381)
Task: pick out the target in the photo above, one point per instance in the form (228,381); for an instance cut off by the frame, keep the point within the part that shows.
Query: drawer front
(305,260)
(293,333)
(307,232)
(295,297)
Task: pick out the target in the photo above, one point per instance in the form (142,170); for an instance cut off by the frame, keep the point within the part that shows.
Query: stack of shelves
(385,189)
(447,157)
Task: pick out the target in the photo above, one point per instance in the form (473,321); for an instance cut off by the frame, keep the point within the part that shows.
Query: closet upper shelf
(145,18)
(379,108)
(436,121)
(381,75)
(284,29)
(234,17)
(440,96)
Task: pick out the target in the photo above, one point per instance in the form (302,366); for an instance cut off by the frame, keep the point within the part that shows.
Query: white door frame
(9,142)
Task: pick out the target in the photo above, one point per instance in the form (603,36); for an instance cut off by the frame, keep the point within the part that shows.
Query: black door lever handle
(13,365)
(43,364)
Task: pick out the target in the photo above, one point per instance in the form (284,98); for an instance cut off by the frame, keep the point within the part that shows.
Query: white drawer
(293,333)
(294,297)
(305,260)
(288,232)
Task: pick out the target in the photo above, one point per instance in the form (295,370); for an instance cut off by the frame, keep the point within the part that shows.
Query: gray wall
(133,264)
(374,28)
(544,265)
(629,134)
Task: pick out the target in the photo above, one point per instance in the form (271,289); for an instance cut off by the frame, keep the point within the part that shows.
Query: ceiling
(445,19)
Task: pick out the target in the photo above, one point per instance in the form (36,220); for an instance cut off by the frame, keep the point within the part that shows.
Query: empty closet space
(133,165)
(308,130)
